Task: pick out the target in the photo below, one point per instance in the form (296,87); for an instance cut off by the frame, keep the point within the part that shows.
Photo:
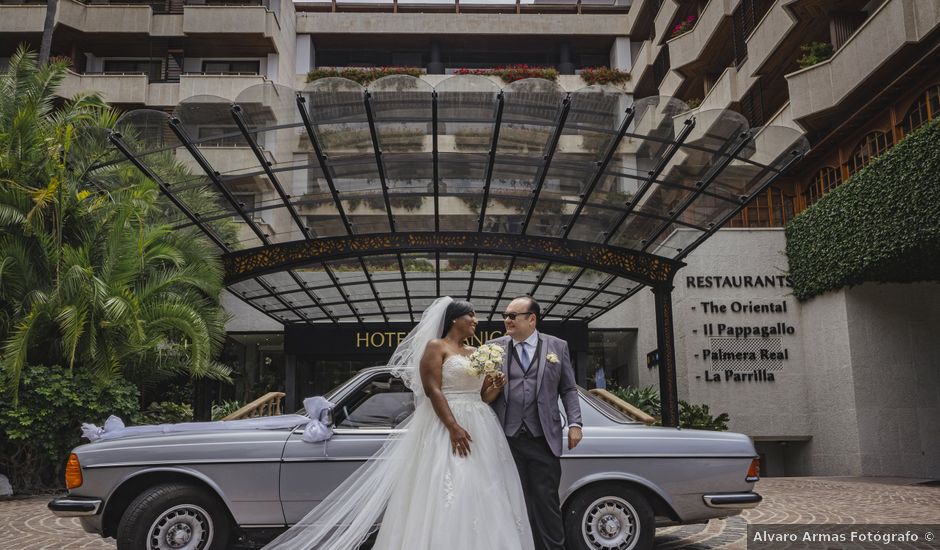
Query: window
(772,208)
(825,181)
(383,402)
(153,68)
(870,147)
(926,107)
(231,67)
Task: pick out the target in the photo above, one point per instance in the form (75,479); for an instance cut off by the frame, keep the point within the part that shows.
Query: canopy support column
(666,346)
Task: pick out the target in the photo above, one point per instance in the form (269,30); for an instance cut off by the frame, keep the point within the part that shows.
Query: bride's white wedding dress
(443,501)
(425,496)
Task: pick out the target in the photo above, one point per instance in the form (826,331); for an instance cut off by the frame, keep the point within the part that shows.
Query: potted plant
(683,26)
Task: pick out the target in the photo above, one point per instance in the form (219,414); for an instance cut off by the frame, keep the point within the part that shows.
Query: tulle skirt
(443,501)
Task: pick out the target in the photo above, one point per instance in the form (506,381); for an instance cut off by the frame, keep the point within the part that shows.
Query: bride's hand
(460,441)
(492,386)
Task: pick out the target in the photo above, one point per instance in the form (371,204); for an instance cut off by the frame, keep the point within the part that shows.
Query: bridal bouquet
(486,359)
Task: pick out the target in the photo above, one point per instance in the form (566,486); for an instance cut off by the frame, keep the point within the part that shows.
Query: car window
(602,410)
(382,402)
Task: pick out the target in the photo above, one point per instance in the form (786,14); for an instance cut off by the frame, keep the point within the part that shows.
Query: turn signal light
(73,473)
(753,472)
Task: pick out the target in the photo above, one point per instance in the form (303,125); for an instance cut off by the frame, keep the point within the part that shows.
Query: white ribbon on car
(316,424)
(318,428)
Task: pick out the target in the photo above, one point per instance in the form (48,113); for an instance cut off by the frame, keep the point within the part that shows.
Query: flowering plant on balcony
(603,75)
(512,73)
(362,75)
(683,26)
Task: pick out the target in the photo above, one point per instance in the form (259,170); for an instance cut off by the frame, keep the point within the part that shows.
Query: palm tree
(91,279)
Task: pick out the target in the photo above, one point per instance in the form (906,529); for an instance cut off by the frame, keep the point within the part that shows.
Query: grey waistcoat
(522,407)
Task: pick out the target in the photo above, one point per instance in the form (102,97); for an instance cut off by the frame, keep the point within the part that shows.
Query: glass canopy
(324,201)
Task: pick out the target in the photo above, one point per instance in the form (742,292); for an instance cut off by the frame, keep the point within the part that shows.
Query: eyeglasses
(512,316)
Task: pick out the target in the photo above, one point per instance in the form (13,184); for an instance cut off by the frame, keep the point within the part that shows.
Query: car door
(363,419)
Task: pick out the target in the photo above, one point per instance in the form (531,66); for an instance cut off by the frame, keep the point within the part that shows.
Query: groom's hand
(574,436)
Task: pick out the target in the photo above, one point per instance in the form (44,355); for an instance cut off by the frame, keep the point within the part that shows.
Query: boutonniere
(551,358)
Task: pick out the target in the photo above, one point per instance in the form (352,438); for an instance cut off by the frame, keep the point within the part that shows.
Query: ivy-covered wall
(882,225)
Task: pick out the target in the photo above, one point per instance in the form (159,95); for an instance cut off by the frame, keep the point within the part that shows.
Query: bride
(448,481)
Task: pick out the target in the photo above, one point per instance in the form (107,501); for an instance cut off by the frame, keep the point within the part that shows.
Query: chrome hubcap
(610,523)
(183,527)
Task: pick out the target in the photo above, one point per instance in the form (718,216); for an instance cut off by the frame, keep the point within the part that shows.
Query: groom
(538,371)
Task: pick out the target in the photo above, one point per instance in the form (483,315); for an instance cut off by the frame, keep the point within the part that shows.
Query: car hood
(195,446)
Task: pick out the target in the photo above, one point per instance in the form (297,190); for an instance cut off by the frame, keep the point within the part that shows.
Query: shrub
(37,433)
(512,73)
(882,225)
(165,412)
(813,53)
(647,399)
(604,75)
(698,417)
(362,75)
(225,408)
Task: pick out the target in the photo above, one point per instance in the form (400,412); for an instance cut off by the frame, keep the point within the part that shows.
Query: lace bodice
(457,378)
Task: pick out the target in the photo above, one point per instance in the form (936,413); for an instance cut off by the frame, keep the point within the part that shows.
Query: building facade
(845,384)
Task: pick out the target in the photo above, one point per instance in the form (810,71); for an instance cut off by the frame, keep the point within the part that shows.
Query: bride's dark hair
(455,310)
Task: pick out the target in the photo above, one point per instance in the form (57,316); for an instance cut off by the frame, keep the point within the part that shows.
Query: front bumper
(732,500)
(70,507)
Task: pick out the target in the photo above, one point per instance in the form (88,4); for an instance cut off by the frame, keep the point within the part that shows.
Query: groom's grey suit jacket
(553,380)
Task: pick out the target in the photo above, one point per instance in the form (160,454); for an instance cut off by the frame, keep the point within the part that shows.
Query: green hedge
(882,225)
(37,433)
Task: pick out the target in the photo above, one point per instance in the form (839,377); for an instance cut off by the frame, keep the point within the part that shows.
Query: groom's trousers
(540,473)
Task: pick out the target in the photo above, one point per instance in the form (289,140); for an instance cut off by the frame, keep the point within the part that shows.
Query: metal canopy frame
(578,198)
(621,132)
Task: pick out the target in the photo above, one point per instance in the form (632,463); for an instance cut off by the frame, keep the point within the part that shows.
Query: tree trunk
(48,26)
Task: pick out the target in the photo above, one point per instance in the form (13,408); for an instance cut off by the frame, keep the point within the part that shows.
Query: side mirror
(328,413)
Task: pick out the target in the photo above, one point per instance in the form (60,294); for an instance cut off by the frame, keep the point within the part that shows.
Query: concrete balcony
(663,20)
(770,32)
(671,83)
(688,47)
(124,88)
(22,18)
(896,24)
(124,18)
(464,23)
(137,88)
(227,86)
(230,20)
(644,61)
(724,92)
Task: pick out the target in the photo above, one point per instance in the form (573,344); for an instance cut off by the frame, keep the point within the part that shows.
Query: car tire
(174,516)
(609,516)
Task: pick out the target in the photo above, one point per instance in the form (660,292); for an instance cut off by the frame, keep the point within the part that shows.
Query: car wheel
(174,516)
(609,517)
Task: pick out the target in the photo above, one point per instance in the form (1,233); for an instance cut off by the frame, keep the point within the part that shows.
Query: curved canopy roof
(343,203)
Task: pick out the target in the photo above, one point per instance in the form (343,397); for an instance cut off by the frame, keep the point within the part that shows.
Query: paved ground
(27,524)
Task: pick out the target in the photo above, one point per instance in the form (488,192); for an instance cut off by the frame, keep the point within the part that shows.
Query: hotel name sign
(351,340)
(746,339)
(390,339)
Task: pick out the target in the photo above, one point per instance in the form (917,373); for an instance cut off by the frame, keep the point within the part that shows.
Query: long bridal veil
(348,515)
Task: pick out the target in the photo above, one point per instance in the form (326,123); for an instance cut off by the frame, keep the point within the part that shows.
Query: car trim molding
(732,500)
(177,463)
(70,507)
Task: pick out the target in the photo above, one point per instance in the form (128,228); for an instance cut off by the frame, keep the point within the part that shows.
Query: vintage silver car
(209,490)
